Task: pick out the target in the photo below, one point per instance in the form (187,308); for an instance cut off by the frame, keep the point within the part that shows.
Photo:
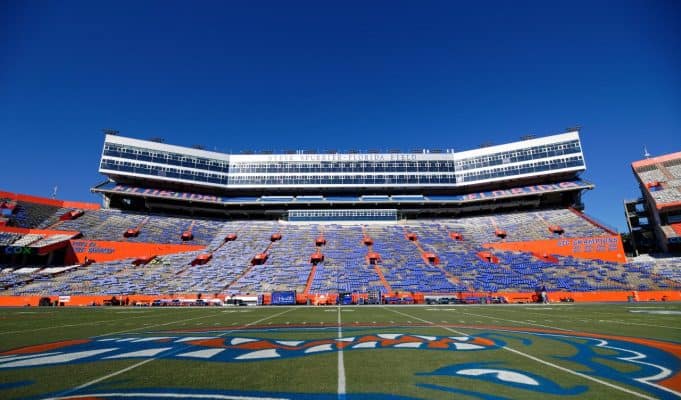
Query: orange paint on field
(342,345)
(673,382)
(402,339)
(259,345)
(482,342)
(219,343)
(439,344)
(369,338)
(40,348)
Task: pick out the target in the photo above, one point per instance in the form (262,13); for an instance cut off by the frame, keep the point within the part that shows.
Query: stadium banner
(112,187)
(605,247)
(82,251)
(287,298)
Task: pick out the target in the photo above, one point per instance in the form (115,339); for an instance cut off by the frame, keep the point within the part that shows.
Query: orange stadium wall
(26,231)
(606,247)
(100,251)
(594,297)
(49,202)
(521,297)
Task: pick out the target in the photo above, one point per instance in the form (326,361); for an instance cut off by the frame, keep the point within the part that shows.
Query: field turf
(556,351)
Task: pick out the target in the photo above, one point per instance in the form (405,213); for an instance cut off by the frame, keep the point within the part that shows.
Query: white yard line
(71,325)
(531,357)
(157,325)
(256,322)
(139,364)
(105,377)
(169,396)
(341,363)
(606,321)
(517,322)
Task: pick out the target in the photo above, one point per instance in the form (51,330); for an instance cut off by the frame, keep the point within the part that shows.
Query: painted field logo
(630,367)
(221,349)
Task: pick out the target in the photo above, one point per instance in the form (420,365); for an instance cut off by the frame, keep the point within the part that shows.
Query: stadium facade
(155,176)
(181,221)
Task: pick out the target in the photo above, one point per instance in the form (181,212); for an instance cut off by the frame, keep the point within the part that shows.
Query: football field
(520,351)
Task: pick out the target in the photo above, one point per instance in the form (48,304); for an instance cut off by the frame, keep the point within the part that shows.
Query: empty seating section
(675,169)
(344,268)
(51,239)
(16,278)
(401,262)
(668,173)
(651,174)
(7,238)
(231,260)
(670,195)
(32,215)
(54,218)
(27,240)
(346,253)
(102,224)
(287,267)
(667,269)
(111,225)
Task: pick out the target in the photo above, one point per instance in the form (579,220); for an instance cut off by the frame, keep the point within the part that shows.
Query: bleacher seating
(287,266)
(344,268)
(32,215)
(111,224)
(7,238)
(27,240)
(666,177)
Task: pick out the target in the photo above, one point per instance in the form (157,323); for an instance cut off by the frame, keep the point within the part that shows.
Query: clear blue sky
(353,74)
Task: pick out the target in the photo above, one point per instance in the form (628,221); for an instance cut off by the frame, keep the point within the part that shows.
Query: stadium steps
(310,279)
(385,283)
(251,267)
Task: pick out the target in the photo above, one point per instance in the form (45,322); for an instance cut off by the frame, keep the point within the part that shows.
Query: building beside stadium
(654,219)
(177,223)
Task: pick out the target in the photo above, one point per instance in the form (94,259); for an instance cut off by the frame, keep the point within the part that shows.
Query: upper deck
(132,160)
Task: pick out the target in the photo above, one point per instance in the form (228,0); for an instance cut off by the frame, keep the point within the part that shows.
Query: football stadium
(428,273)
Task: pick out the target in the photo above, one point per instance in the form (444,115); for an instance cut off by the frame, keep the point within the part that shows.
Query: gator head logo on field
(221,349)
(500,360)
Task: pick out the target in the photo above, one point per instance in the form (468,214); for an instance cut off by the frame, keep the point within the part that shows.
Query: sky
(261,75)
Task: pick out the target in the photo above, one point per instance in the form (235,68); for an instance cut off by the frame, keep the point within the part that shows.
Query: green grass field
(585,351)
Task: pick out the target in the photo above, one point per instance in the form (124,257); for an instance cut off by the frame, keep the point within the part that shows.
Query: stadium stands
(345,268)
(492,220)
(111,225)
(31,215)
